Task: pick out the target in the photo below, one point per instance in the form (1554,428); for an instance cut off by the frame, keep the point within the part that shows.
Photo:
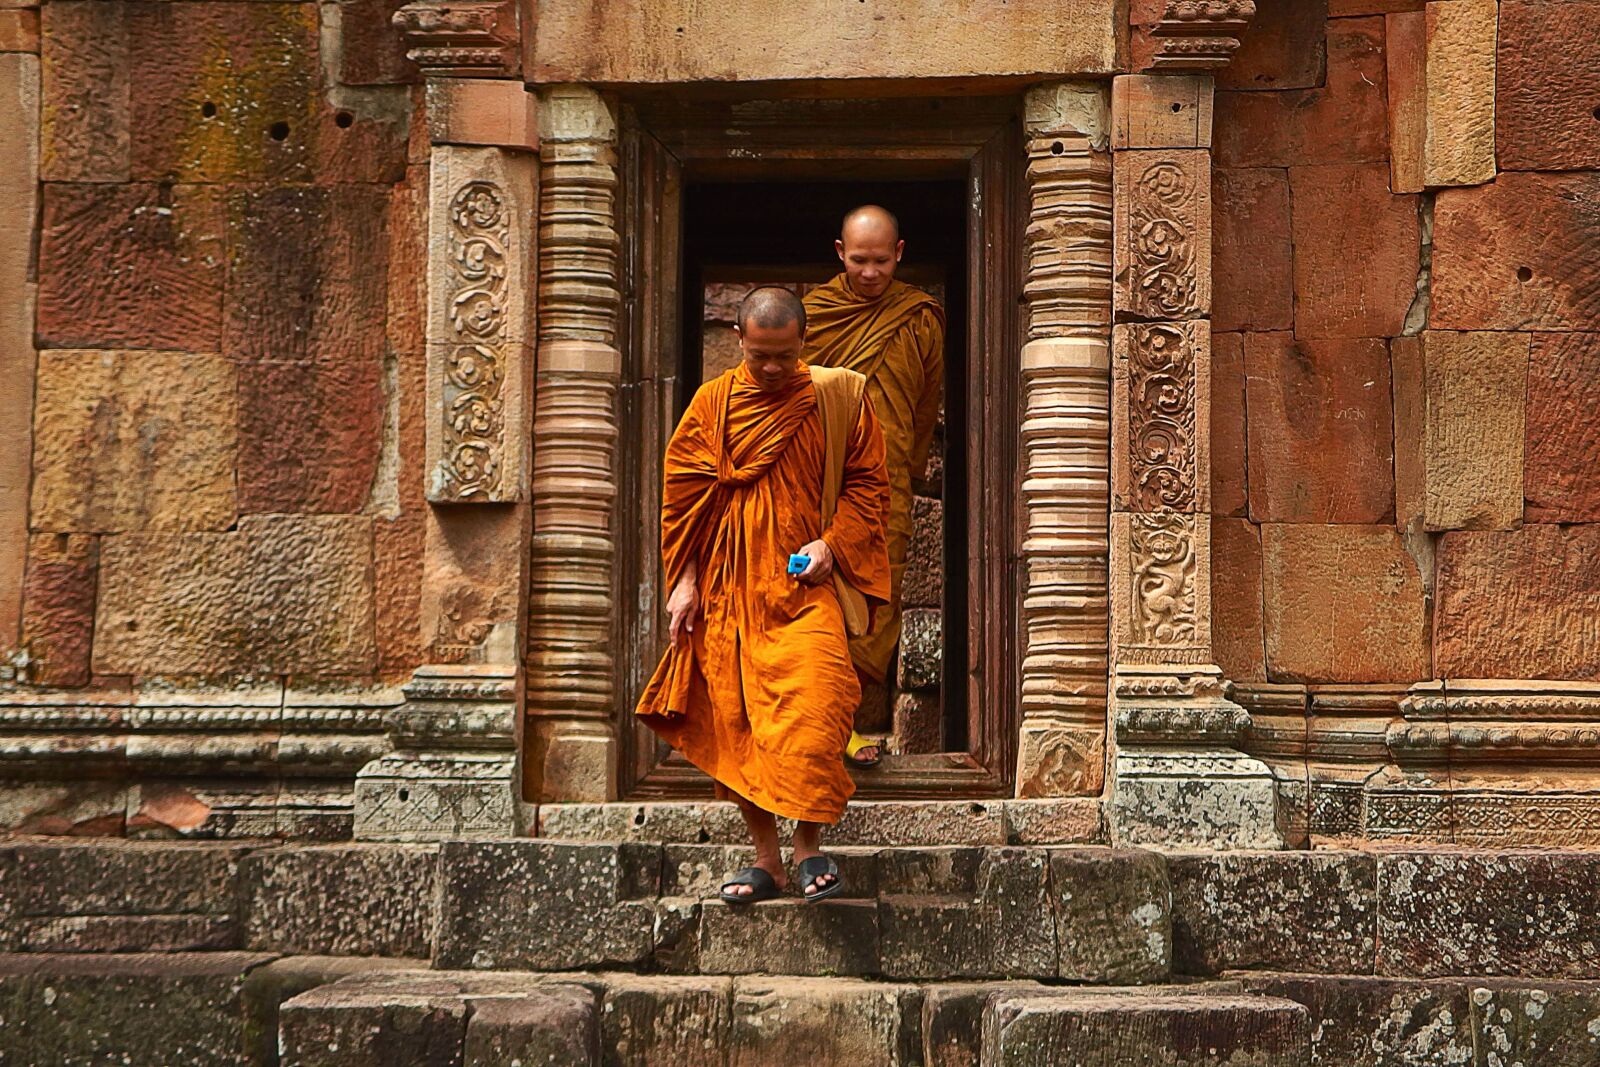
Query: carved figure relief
(1165,609)
(474,416)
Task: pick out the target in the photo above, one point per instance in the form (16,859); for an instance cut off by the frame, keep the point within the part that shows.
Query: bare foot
(773,867)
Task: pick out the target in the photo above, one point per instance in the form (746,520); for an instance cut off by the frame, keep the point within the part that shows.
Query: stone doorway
(716,197)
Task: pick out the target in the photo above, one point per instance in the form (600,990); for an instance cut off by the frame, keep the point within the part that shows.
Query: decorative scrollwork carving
(1161,417)
(1165,609)
(1162,241)
(474,416)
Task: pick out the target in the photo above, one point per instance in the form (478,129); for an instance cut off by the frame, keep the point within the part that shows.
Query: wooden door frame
(666,141)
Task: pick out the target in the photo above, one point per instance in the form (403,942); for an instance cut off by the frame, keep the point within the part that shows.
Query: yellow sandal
(856,744)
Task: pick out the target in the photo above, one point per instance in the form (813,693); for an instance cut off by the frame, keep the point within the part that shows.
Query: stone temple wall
(1406,209)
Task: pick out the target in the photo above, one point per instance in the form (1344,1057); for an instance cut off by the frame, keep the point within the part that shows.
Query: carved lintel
(1200,34)
(476,38)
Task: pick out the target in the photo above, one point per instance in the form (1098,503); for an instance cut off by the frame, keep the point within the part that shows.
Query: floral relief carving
(1162,239)
(1161,422)
(474,413)
(1165,608)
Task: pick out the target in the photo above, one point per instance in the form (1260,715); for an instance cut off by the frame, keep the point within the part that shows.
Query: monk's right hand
(682,607)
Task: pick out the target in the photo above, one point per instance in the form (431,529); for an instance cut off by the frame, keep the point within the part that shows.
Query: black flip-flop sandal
(762,887)
(814,868)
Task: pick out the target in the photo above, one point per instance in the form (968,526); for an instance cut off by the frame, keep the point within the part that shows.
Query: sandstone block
(640,42)
(1055,821)
(1321,429)
(1109,1029)
(1519,604)
(339,1025)
(84,62)
(1561,463)
(1343,604)
(19,30)
(261,103)
(831,937)
(778,1022)
(83,808)
(133,441)
(923,583)
(397,555)
(119,897)
(1252,265)
(280,594)
(371,49)
(1548,1023)
(306,274)
(58,607)
(371,900)
(19,187)
(555,1025)
(921,649)
(1238,637)
(1293,911)
(1504,913)
(1378,1020)
(1160,111)
(539,905)
(1113,923)
(918,723)
(1352,279)
(651,1021)
(141,1010)
(1343,121)
(267,987)
(309,435)
(1004,927)
(1229,484)
(135,266)
(1517,254)
(1459,426)
(952,1019)
(874,714)
(1544,81)
(1284,47)
(482,111)
(1441,66)
(1349,8)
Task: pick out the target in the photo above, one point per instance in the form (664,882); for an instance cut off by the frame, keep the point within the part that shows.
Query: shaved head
(771,307)
(870,218)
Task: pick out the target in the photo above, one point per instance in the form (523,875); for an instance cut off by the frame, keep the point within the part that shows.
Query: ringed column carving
(1179,777)
(1065,428)
(570,686)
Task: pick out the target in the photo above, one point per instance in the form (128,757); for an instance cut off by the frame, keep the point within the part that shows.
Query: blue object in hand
(798,563)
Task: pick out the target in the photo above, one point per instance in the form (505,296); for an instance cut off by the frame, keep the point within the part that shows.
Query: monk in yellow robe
(757,688)
(893,334)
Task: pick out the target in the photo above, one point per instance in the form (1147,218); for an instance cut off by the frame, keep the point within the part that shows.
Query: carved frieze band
(1163,245)
(1200,34)
(1066,450)
(1158,386)
(474,415)
(471,38)
(575,427)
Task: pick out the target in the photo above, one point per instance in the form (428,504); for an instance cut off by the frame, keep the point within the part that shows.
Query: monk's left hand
(821,565)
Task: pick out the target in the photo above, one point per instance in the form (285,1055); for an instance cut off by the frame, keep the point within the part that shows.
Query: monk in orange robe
(893,334)
(757,688)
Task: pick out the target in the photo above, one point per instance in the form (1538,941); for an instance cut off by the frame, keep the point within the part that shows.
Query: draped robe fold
(761,695)
(897,342)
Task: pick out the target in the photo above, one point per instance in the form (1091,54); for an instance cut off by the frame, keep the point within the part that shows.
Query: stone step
(1055,821)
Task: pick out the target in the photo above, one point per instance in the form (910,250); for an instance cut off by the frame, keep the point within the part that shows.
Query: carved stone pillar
(455,770)
(571,745)
(1065,426)
(1179,778)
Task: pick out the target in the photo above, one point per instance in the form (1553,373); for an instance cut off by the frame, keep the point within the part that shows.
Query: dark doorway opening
(717,195)
(740,234)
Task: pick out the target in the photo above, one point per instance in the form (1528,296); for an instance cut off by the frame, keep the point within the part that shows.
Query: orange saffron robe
(762,695)
(897,342)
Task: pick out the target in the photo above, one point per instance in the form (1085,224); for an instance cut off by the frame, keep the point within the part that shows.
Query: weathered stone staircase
(999,949)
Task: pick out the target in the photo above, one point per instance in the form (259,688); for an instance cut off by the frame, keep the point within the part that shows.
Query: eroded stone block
(1252,265)
(1343,604)
(309,435)
(133,441)
(84,121)
(1112,916)
(1352,280)
(1489,913)
(1321,429)
(1303,911)
(1517,254)
(1441,66)
(1229,486)
(281,594)
(1284,47)
(1519,603)
(1544,79)
(371,900)
(923,584)
(830,937)
(1385,1022)
(554,1025)
(1548,1023)
(921,649)
(1561,464)
(1004,927)
(650,1021)
(1459,428)
(413,1024)
(1237,632)
(58,607)
(778,1022)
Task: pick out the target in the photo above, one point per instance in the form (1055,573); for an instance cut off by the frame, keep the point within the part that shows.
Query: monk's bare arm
(688,472)
(856,534)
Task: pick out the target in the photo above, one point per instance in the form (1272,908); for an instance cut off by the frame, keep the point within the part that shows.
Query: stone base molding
(167,761)
(1491,763)
(454,769)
